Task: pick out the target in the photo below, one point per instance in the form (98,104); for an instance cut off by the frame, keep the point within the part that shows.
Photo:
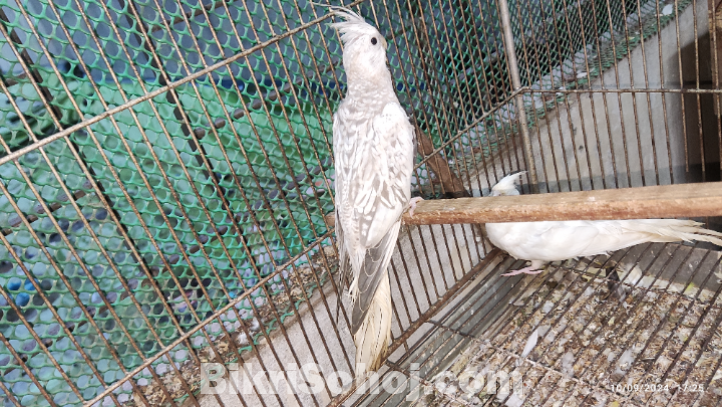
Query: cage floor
(637,328)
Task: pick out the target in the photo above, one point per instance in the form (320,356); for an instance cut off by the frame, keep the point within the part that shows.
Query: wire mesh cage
(167,170)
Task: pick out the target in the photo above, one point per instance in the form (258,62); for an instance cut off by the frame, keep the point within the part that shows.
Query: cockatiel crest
(364,54)
(373,156)
(507,185)
(354,27)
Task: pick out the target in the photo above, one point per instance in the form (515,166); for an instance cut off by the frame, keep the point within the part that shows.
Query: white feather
(560,240)
(530,343)
(372,338)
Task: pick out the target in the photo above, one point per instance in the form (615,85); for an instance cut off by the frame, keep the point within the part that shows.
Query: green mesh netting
(449,65)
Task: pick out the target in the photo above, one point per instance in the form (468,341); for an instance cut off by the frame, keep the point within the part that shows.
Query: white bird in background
(542,242)
(373,145)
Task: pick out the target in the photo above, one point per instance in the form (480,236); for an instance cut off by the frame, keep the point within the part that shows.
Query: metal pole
(519,99)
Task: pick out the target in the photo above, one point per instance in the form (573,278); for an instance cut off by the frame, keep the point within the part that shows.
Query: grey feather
(375,263)
(345,274)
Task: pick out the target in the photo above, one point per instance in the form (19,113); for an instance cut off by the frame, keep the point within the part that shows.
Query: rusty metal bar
(112,111)
(283,282)
(516,84)
(154,28)
(633,90)
(183,294)
(537,65)
(203,207)
(616,307)
(461,319)
(24,58)
(678,303)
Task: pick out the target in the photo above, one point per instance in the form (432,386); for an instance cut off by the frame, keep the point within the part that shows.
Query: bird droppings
(577,342)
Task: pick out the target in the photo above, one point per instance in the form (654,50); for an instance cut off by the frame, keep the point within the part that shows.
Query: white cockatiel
(543,242)
(373,143)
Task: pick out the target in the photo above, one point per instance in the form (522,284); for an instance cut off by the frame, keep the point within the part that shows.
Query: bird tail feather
(674,230)
(372,337)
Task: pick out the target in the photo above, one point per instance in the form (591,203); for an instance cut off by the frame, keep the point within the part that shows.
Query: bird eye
(373,40)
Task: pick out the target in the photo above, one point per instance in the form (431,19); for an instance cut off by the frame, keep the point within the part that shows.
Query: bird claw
(526,270)
(412,205)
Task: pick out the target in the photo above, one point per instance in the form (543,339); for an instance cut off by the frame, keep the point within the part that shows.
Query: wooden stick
(453,186)
(669,201)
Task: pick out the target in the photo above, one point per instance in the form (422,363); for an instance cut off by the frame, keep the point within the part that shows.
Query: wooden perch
(669,201)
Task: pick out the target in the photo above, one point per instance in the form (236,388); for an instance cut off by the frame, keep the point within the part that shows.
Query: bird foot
(526,270)
(412,205)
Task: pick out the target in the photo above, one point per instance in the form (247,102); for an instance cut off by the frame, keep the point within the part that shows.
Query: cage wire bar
(167,166)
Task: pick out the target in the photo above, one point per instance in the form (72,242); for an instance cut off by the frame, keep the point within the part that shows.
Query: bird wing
(341,150)
(550,241)
(374,191)
(344,264)
(560,240)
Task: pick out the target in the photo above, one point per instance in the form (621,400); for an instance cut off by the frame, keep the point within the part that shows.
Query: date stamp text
(656,387)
